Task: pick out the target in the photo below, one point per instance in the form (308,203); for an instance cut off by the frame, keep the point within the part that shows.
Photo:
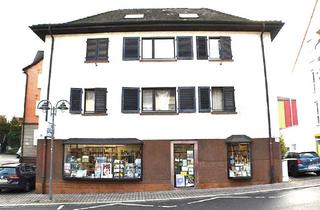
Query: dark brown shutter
(187,100)
(184,48)
(204,99)
(91,50)
(202,48)
(225,48)
(75,100)
(102,54)
(100,103)
(130,100)
(131,49)
(228,99)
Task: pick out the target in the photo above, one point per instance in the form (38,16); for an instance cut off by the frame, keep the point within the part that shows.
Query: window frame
(224,92)
(174,89)
(153,58)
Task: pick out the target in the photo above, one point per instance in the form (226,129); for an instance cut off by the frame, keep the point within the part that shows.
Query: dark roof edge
(103,141)
(36,60)
(270,26)
(238,139)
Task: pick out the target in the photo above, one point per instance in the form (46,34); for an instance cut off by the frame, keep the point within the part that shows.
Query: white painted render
(245,73)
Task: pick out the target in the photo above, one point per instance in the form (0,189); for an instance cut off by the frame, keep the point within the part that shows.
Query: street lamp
(46,105)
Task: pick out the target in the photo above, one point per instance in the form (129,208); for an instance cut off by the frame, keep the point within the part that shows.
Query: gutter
(24,116)
(44,146)
(272,179)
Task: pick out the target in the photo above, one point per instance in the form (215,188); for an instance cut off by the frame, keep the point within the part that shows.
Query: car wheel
(27,187)
(318,173)
(294,172)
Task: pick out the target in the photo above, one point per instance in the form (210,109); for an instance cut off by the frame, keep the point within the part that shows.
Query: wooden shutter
(100,100)
(294,112)
(202,48)
(102,51)
(75,100)
(131,49)
(204,99)
(187,101)
(228,99)
(184,48)
(130,100)
(225,48)
(91,50)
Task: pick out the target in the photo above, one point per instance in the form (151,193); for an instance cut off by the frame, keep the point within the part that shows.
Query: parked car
(17,176)
(303,162)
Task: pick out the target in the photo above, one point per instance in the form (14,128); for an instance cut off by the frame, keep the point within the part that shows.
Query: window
(288,115)
(188,15)
(130,100)
(317,112)
(134,16)
(239,160)
(184,48)
(214,48)
(187,100)
(103,161)
(97,50)
(159,100)
(223,99)
(131,49)
(158,48)
(95,100)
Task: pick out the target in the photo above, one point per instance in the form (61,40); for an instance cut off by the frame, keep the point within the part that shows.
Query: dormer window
(134,16)
(188,15)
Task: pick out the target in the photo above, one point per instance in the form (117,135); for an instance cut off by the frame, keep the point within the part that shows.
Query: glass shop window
(103,161)
(239,160)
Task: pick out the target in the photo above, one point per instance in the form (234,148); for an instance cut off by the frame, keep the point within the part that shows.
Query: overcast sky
(18,44)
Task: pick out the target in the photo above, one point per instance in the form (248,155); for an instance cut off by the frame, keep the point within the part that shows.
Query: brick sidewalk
(9,199)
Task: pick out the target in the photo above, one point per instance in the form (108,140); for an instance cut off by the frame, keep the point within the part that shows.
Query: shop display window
(114,162)
(239,160)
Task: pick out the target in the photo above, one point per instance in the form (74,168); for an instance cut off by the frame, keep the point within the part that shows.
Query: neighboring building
(30,119)
(159,99)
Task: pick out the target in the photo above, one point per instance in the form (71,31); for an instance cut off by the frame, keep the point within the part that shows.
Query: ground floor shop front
(131,165)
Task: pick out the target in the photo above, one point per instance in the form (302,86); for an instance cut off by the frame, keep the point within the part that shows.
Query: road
(298,199)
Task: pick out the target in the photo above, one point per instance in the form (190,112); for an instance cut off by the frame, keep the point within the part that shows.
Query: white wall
(245,73)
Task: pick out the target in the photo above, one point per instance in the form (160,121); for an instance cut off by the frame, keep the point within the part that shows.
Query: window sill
(158,60)
(96,61)
(223,112)
(219,60)
(240,178)
(159,113)
(94,114)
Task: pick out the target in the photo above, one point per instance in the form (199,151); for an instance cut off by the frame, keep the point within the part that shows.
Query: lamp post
(46,105)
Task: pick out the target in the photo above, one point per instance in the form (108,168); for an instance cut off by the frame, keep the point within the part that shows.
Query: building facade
(30,119)
(159,99)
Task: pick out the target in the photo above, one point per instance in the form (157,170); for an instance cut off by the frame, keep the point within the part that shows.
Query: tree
(283,148)
(4,129)
(10,133)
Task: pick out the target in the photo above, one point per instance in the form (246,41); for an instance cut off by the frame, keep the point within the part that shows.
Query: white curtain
(147,100)
(217,96)
(90,101)
(162,100)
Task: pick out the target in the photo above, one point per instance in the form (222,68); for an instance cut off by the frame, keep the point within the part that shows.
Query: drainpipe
(24,115)
(44,145)
(268,107)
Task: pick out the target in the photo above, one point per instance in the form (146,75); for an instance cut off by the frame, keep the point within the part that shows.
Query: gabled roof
(158,20)
(37,59)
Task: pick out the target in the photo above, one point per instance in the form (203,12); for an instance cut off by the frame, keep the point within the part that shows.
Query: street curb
(49,203)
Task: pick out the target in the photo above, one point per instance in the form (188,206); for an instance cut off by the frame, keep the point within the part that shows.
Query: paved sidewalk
(11,199)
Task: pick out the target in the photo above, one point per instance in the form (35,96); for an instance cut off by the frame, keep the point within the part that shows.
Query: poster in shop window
(106,170)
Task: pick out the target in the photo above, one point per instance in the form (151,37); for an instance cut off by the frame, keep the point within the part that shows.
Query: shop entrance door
(184,162)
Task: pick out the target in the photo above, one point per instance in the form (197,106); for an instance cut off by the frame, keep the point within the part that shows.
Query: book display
(102,161)
(239,160)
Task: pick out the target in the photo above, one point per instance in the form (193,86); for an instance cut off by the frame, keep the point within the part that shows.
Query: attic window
(188,15)
(134,16)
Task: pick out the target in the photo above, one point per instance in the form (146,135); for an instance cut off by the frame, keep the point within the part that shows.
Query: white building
(165,97)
